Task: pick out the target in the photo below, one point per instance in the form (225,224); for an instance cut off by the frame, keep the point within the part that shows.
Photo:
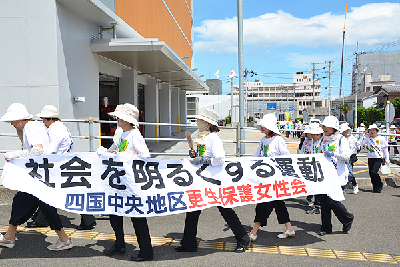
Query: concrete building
(103,51)
(215,86)
(375,69)
(292,98)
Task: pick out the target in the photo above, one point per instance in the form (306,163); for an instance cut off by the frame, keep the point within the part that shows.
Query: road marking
(253,248)
(360,171)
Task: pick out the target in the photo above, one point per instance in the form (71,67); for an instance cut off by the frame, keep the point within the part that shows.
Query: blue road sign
(291,108)
(271,106)
(262,106)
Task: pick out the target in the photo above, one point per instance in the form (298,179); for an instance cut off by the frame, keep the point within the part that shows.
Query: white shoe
(61,245)
(287,234)
(355,189)
(252,237)
(6,243)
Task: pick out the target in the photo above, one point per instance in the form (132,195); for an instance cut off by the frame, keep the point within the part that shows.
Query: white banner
(127,185)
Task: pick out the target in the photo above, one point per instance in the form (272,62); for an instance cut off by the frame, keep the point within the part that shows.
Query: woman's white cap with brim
(269,121)
(344,127)
(373,126)
(314,128)
(332,122)
(208,115)
(126,112)
(48,111)
(393,127)
(16,112)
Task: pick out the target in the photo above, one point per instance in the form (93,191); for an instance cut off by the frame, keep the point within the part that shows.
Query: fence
(91,137)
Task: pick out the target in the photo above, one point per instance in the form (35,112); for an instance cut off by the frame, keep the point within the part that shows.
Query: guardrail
(91,137)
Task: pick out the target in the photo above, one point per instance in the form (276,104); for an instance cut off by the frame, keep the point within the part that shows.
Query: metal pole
(245,99)
(231,99)
(313,89)
(294,98)
(330,89)
(240,57)
(355,98)
(91,137)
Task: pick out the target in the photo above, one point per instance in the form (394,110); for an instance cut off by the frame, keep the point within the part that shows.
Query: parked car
(220,123)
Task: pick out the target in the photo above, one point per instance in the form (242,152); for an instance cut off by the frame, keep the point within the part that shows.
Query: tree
(369,115)
(344,109)
(396,104)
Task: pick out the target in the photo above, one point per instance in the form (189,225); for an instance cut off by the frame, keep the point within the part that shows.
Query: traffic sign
(291,108)
(262,106)
(271,106)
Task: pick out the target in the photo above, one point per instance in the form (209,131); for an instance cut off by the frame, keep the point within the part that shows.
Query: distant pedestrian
(392,139)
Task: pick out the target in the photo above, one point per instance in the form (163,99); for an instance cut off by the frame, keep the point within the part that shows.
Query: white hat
(382,126)
(126,112)
(393,126)
(331,121)
(16,112)
(344,127)
(362,124)
(314,128)
(48,111)
(269,121)
(373,126)
(208,115)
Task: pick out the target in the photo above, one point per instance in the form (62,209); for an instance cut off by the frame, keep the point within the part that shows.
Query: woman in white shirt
(35,142)
(271,145)
(377,155)
(210,151)
(336,149)
(345,130)
(392,139)
(130,142)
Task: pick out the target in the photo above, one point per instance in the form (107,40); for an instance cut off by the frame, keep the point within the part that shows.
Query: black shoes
(86,227)
(34,224)
(185,249)
(322,233)
(313,210)
(137,258)
(113,250)
(241,247)
(347,226)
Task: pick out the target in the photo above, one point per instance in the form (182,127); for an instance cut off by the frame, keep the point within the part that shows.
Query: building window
(300,112)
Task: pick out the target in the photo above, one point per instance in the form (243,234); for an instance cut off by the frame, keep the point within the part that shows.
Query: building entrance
(109,99)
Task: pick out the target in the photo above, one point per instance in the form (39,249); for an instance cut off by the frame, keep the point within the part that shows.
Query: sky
(284,37)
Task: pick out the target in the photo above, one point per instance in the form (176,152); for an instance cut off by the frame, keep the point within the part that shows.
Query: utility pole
(313,89)
(246,103)
(355,97)
(329,86)
(294,99)
(240,149)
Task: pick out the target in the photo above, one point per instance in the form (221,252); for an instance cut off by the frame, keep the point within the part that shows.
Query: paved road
(372,241)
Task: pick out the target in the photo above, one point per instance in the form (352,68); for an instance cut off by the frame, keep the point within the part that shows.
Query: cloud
(369,24)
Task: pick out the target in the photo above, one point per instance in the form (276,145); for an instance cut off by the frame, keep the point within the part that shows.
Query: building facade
(375,69)
(292,98)
(86,57)
(215,86)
